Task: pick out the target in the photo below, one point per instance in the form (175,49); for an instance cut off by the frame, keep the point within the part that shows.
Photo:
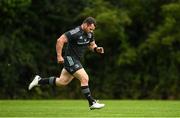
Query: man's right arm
(59,46)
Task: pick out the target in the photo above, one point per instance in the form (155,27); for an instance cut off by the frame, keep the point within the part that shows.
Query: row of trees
(141,40)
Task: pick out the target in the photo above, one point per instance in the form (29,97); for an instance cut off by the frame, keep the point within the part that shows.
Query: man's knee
(82,76)
(85,80)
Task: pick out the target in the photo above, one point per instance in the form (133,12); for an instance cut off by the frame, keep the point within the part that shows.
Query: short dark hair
(90,20)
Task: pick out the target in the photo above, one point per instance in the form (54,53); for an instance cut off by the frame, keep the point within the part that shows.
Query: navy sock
(86,91)
(48,81)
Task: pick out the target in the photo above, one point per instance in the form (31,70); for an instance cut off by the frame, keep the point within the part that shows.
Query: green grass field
(79,108)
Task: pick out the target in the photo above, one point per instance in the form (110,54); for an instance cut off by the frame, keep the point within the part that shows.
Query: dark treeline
(141,39)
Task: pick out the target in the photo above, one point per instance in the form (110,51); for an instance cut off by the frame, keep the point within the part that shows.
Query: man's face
(89,27)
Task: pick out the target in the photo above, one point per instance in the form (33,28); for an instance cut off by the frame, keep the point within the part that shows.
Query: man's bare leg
(64,79)
(84,79)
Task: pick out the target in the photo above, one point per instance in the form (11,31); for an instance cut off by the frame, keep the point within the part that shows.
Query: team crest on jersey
(80,37)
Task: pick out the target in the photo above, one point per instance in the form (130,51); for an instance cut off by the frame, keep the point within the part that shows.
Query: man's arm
(93,47)
(59,46)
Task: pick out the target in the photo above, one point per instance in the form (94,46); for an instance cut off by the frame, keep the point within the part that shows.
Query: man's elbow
(62,39)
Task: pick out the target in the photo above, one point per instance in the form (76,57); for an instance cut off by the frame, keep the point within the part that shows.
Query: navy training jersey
(78,40)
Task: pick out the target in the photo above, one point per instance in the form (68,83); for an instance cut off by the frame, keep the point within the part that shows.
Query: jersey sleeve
(91,37)
(68,35)
(71,34)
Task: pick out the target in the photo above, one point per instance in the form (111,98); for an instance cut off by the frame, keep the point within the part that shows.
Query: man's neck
(82,27)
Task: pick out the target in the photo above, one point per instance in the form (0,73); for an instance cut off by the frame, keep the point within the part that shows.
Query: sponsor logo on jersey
(83,42)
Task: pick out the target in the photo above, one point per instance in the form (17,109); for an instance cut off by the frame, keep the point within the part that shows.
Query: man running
(77,39)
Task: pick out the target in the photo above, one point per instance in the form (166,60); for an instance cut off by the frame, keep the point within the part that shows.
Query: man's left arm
(93,47)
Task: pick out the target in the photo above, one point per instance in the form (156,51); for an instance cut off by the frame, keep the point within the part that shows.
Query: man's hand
(60,59)
(99,50)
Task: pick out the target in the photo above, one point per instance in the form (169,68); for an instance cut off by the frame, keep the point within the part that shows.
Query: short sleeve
(72,33)
(91,36)
(68,35)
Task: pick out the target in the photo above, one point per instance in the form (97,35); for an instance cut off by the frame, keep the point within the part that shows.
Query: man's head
(89,24)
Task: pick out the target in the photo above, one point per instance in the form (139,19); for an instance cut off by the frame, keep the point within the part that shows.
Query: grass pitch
(79,108)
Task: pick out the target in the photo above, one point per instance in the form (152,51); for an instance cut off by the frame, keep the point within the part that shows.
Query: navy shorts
(72,64)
